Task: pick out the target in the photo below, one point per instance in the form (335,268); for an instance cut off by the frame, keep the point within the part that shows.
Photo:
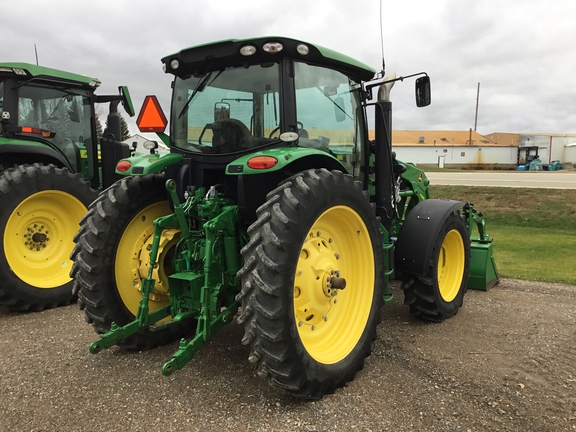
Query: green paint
(20,142)
(204,284)
(284,157)
(150,163)
(41,71)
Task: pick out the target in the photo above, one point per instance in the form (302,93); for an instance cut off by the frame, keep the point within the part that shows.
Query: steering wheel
(300,126)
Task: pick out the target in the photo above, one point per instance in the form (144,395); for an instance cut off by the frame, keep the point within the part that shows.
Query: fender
(419,232)
(23,151)
(148,163)
(285,156)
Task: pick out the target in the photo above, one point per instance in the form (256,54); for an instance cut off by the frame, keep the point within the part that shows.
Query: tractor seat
(231,135)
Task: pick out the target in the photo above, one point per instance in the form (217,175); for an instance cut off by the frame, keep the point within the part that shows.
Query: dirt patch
(506,362)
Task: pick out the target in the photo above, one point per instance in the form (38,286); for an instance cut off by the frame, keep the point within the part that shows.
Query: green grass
(534,230)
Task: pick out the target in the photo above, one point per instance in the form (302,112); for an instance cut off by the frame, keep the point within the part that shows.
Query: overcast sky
(522,52)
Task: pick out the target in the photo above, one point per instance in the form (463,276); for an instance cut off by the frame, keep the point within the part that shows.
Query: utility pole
(476,116)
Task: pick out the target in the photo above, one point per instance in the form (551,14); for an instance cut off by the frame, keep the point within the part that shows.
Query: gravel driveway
(506,362)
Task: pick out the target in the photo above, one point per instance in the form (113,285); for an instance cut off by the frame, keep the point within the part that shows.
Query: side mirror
(127,100)
(221,111)
(423,95)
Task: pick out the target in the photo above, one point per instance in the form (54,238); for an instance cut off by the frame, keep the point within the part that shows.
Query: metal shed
(570,153)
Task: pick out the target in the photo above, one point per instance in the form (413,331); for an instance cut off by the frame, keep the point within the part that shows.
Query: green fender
(31,151)
(148,163)
(283,157)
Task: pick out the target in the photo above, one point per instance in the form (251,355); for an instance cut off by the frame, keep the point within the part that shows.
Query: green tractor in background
(273,206)
(51,168)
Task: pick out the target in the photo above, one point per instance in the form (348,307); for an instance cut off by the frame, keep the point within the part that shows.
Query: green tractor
(51,167)
(275,208)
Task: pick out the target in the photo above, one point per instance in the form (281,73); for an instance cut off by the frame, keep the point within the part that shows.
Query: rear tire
(440,293)
(39,215)
(305,339)
(111,257)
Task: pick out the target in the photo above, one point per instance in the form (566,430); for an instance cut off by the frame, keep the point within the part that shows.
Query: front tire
(111,257)
(316,230)
(439,294)
(39,215)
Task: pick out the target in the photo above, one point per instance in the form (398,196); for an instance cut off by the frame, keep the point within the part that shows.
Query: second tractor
(52,166)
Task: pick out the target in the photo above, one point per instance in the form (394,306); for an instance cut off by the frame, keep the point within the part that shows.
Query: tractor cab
(267,106)
(55,113)
(238,97)
(48,116)
(279,102)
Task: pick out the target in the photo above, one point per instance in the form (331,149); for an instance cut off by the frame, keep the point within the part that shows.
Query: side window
(327,110)
(66,115)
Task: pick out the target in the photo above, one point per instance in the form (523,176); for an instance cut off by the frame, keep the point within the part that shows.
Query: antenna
(477,99)
(36,52)
(382,39)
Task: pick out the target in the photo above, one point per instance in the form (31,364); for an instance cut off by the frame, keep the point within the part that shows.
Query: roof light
(94,83)
(17,71)
(175,64)
(273,47)
(303,49)
(164,67)
(262,162)
(248,50)
(123,166)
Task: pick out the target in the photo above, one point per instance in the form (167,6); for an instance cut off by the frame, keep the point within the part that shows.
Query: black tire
(301,341)
(111,241)
(440,293)
(39,215)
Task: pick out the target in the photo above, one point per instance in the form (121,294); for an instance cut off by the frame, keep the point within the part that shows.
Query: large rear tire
(316,230)
(111,257)
(440,293)
(39,215)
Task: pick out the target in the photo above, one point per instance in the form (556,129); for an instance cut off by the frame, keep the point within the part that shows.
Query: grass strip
(534,230)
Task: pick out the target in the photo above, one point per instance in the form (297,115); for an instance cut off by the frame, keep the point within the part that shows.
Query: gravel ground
(506,362)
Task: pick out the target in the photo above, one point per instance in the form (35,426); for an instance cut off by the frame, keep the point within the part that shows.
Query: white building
(455,148)
(473,150)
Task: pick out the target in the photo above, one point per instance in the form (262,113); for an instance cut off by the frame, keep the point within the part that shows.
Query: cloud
(521,51)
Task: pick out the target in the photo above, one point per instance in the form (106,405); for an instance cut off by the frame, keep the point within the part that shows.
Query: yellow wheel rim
(38,238)
(330,321)
(133,258)
(451,265)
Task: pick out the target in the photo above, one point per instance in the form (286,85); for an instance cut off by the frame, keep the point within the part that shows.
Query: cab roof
(31,70)
(200,59)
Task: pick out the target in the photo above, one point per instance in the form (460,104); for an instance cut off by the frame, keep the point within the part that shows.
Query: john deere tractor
(51,167)
(273,207)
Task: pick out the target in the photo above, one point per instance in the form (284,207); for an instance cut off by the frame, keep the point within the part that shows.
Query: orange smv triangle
(151,117)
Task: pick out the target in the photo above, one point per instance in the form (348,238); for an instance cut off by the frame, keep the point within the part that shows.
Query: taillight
(262,162)
(43,132)
(123,166)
